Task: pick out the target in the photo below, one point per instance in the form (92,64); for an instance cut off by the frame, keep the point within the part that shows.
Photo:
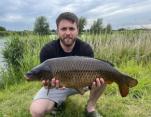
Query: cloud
(131,9)
(11,18)
(22,13)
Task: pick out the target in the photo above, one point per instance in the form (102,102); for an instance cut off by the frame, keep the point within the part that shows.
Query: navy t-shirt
(53,49)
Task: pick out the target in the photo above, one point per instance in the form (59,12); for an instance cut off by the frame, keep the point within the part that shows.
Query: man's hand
(97,83)
(53,83)
(97,86)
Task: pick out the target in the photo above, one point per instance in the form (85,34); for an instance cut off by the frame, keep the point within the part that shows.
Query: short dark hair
(67,16)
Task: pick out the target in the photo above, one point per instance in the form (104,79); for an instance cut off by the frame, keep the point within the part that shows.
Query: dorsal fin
(106,61)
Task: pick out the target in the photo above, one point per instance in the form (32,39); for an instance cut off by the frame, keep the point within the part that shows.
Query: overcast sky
(21,14)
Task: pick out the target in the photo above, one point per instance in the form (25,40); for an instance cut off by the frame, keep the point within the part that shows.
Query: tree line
(42,27)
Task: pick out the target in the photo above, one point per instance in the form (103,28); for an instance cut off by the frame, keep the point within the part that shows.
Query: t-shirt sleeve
(43,55)
(46,52)
(88,51)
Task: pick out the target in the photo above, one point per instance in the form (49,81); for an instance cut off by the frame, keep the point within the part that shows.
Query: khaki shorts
(56,95)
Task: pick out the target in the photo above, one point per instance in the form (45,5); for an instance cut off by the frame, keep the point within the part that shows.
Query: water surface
(2,42)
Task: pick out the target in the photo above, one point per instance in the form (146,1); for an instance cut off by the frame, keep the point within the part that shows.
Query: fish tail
(131,82)
(124,90)
(126,83)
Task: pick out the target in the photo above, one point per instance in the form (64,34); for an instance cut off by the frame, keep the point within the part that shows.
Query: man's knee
(39,107)
(36,111)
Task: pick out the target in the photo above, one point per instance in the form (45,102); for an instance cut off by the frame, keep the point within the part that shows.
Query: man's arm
(47,52)
(87,51)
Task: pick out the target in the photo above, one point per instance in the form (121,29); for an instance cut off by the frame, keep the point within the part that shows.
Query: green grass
(15,102)
(129,51)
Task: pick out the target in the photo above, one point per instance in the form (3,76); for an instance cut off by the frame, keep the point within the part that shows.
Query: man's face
(67,32)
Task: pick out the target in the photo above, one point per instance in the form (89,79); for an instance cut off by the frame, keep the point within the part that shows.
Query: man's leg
(40,107)
(44,103)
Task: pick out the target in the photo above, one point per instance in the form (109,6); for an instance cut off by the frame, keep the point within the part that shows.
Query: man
(67,45)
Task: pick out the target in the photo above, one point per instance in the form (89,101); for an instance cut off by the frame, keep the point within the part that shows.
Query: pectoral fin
(49,86)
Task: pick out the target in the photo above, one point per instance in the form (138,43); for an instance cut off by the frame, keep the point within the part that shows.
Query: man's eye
(71,29)
(63,29)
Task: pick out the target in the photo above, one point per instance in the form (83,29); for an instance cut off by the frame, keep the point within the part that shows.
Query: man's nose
(68,31)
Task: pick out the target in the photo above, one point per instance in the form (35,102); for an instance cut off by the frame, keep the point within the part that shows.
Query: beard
(68,41)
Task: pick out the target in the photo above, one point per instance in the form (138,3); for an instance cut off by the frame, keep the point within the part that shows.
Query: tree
(97,26)
(2,28)
(121,29)
(108,28)
(82,23)
(41,26)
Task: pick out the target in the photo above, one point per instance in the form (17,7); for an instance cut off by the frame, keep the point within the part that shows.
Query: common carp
(78,72)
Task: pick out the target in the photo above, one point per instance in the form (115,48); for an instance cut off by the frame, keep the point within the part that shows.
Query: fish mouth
(28,76)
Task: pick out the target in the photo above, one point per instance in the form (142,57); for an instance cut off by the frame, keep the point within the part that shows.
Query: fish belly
(76,79)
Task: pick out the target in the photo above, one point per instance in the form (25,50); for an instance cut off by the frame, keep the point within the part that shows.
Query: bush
(13,52)
(2,28)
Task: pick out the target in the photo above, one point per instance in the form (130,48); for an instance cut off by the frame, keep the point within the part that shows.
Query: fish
(78,72)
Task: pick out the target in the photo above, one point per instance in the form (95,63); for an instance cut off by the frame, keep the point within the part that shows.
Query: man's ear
(78,30)
(57,31)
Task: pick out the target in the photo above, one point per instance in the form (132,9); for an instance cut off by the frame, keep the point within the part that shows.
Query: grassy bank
(129,51)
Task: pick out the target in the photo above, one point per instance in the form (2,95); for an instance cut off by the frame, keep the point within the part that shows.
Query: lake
(2,41)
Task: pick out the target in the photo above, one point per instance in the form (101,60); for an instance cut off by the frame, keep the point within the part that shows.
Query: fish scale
(78,72)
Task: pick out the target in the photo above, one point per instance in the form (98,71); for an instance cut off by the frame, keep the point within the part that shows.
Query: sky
(21,14)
